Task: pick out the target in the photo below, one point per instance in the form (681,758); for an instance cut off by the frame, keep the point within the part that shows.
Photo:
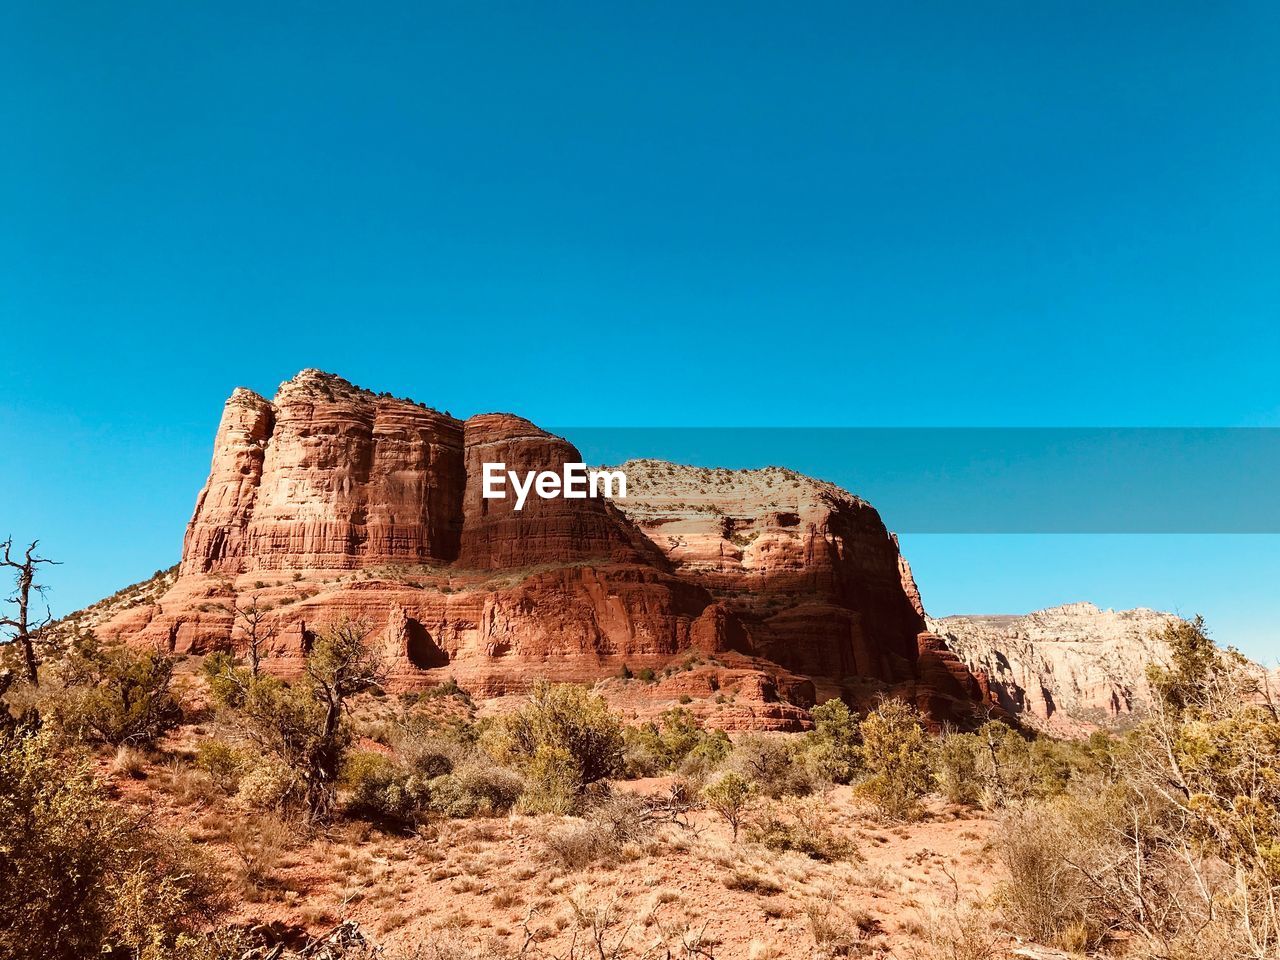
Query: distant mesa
(1068,669)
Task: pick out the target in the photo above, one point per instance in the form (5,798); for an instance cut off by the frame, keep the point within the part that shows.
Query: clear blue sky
(855,214)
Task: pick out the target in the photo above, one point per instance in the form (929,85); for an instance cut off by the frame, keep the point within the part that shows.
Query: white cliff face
(1067,668)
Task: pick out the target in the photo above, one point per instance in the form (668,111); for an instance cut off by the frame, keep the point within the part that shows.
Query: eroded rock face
(813,578)
(750,594)
(1067,668)
(495,535)
(327,476)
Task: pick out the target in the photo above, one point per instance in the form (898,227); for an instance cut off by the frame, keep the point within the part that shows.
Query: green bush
(268,784)
(553,782)
(224,763)
(896,754)
(117,695)
(772,762)
(475,789)
(675,742)
(730,795)
(956,768)
(563,734)
(226,680)
(382,789)
(304,728)
(1013,767)
(82,877)
(833,749)
(800,824)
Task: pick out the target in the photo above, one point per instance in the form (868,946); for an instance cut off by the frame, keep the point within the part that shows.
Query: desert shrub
(675,742)
(429,739)
(448,797)
(1045,895)
(224,763)
(751,880)
(576,844)
(771,762)
(712,749)
(1171,835)
(641,752)
(730,795)
(801,824)
(1195,669)
(117,695)
(428,756)
(476,789)
(383,789)
(92,879)
(563,739)
(836,931)
(625,816)
(268,784)
(305,727)
(259,844)
(956,768)
(600,835)
(226,680)
(1126,854)
(959,930)
(228,943)
(833,749)
(553,782)
(128,762)
(1014,767)
(896,756)
(498,787)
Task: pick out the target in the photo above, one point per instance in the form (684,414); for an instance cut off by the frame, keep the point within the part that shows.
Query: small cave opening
(422,650)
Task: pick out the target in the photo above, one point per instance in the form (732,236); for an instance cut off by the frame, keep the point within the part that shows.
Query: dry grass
(128,762)
(259,844)
(615,879)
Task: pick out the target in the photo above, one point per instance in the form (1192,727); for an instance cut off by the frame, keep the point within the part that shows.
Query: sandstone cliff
(1066,669)
(753,593)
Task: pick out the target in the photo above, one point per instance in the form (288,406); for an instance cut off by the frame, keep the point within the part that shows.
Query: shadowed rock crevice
(421,649)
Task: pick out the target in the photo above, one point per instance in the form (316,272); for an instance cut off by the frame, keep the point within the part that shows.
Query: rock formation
(1066,669)
(751,593)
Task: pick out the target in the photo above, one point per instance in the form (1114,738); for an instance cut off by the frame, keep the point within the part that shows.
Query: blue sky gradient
(988,214)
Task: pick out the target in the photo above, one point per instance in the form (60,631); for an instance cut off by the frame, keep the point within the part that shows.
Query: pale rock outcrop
(1066,668)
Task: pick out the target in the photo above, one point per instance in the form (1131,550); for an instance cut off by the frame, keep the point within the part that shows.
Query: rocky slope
(1067,668)
(750,593)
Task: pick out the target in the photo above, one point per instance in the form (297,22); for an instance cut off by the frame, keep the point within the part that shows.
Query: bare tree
(259,628)
(25,633)
(341,665)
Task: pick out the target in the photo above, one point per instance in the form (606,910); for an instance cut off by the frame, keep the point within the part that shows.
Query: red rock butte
(750,595)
